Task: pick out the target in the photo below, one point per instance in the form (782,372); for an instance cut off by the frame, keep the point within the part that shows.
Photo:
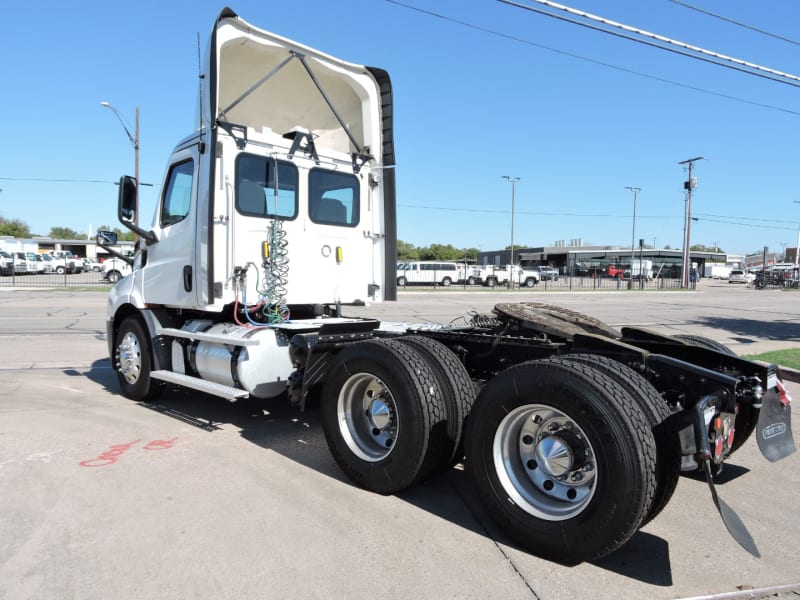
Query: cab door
(170,265)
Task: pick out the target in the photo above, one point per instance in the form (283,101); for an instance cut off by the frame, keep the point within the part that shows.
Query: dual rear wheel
(393,411)
(565,459)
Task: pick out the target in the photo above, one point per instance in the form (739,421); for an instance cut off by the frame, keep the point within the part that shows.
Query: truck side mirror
(126,199)
(127,207)
(106,238)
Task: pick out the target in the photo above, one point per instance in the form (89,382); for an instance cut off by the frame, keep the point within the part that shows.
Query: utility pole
(635,191)
(688,185)
(513,181)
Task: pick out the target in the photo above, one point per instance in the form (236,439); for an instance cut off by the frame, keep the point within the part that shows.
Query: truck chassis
(574,434)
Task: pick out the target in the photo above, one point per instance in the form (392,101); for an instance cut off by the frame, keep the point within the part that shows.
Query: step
(231,394)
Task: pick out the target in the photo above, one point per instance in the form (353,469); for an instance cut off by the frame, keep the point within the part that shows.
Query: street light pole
(134,139)
(635,191)
(513,181)
(688,185)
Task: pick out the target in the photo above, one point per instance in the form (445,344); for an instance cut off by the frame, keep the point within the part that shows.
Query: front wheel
(114,276)
(401,281)
(530,282)
(562,458)
(491,282)
(133,361)
(470,281)
(446,282)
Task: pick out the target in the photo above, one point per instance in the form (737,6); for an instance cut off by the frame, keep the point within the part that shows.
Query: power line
(739,23)
(529,212)
(681,48)
(772,227)
(590,60)
(46,180)
(56,180)
(695,217)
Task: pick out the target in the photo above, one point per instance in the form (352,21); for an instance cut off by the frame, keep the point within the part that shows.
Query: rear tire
(457,393)
(562,458)
(382,415)
(401,281)
(655,408)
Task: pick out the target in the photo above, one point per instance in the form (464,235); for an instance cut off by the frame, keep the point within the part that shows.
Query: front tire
(401,281)
(133,361)
(562,459)
(114,276)
(382,415)
(446,282)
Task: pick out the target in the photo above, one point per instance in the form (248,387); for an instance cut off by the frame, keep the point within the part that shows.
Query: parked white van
(429,272)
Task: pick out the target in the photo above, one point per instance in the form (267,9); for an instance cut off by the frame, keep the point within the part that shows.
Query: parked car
(49,263)
(737,276)
(547,273)
(67,262)
(35,262)
(21,263)
(115,269)
(91,265)
(6,263)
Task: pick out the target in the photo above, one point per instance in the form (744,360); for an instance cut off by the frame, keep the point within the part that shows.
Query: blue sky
(486,89)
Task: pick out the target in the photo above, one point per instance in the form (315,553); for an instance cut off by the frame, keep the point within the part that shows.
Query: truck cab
(285,195)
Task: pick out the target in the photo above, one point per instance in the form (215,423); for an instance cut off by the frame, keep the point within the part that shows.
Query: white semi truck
(279,212)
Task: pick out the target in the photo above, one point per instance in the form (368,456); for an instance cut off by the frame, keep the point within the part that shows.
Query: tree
(14,227)
(65,233)
(406,251)
(702,248)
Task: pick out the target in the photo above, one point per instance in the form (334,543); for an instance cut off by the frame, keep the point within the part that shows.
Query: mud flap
(774,430)
(733,523)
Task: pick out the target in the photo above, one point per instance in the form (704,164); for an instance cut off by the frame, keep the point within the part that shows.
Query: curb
(788,374)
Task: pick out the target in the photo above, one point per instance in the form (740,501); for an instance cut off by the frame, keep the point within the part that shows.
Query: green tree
(65,233)
(702,248)
(14,227)
(406,251)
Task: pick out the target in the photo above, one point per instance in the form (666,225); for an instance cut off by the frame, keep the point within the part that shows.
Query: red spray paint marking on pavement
(110,456)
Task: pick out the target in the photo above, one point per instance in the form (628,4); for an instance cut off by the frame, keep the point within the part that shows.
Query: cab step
(231,394)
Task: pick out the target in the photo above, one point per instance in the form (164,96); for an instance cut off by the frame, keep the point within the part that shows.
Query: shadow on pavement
(278,426)
(747,329)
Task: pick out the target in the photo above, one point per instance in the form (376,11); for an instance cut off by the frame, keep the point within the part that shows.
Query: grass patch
(785,358)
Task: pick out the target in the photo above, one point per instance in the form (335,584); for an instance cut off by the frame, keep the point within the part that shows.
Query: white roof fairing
(288,97)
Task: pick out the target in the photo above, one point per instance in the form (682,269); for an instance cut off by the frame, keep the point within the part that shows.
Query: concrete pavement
(191,497)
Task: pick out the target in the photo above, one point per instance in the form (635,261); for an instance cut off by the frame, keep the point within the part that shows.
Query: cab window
(333,198)
(178,195)
(256,187)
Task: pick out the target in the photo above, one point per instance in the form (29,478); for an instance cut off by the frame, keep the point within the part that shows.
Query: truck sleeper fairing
(276,99)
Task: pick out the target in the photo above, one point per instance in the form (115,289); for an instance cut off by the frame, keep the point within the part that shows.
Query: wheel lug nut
(527,440)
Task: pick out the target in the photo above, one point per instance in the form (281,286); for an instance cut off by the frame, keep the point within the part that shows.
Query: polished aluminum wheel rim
(129,360)
(545,462)
(367,415)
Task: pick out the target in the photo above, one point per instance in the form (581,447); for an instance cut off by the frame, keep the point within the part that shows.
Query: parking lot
(192,497)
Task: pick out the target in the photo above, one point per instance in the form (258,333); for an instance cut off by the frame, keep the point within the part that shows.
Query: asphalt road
(193,497)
